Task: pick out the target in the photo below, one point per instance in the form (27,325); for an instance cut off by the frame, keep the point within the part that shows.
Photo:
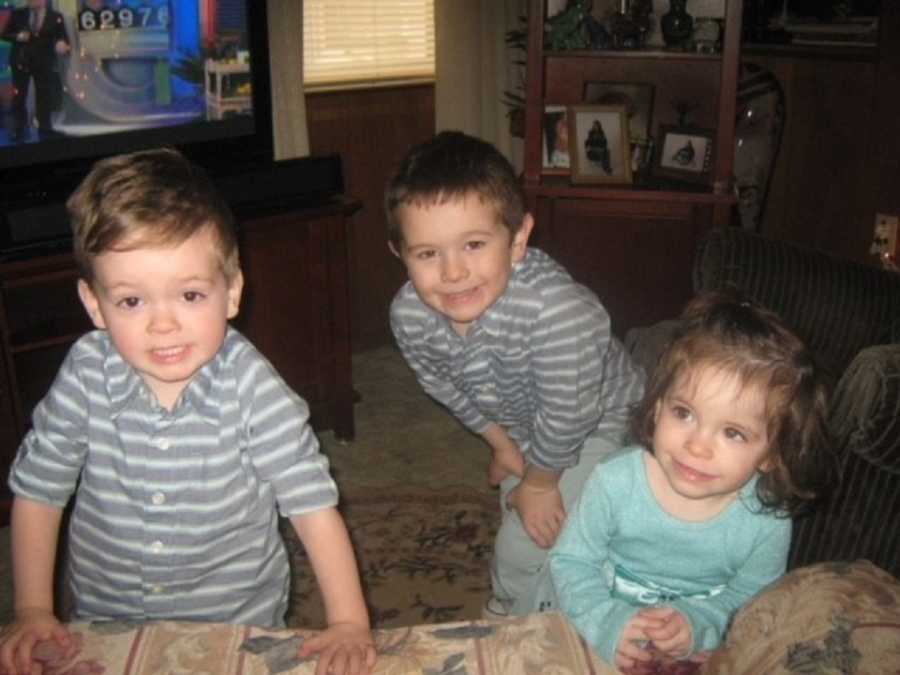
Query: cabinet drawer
(43,311)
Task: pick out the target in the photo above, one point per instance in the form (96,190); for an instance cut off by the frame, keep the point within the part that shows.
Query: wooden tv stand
(295,309)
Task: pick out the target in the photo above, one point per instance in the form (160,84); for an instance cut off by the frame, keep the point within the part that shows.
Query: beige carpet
(425,477)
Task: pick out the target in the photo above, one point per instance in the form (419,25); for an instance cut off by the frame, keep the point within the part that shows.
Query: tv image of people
(81,68)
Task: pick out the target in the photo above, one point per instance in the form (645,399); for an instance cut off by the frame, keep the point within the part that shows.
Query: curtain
(286,64)
(474,67)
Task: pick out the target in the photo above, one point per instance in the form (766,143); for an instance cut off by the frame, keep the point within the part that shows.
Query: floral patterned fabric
(821,619)
(534,645)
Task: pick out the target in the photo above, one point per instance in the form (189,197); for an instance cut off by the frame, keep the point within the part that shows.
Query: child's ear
(520,239)
(235,288)
(768,463)
(91,304)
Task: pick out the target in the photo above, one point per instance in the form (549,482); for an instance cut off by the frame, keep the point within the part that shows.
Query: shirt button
(162,443)
(156,590)
(158,498)
(156,547)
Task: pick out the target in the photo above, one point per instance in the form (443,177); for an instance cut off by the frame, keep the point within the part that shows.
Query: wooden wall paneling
(636,256)
(822,181)
(884,143)
(371,129)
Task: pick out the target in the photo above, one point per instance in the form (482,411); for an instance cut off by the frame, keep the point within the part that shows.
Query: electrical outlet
(884,239)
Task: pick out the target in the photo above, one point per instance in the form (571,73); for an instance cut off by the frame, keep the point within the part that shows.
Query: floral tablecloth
(536,644)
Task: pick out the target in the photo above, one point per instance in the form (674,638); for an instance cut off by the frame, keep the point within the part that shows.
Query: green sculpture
(565,30)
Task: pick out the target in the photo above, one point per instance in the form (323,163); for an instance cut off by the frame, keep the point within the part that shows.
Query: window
(366,42)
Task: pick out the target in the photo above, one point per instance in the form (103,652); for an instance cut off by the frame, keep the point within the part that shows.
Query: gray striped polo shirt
(541,362)
(175,512)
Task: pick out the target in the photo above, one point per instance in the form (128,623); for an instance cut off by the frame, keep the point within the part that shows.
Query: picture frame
(555,140)
(637,97)
(599,146)
(685,153)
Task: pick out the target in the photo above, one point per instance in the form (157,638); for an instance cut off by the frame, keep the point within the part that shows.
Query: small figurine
(598,36)
(566,30)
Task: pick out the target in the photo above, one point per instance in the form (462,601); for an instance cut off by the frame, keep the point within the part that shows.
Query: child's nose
(699,445)
(163,320)
(453,269)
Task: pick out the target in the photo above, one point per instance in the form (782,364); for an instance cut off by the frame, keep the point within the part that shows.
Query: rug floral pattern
(423,556)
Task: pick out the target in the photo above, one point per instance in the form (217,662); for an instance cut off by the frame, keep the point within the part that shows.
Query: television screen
(98,77)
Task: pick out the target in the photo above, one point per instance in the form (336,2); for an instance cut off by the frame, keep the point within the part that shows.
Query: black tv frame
(44,181)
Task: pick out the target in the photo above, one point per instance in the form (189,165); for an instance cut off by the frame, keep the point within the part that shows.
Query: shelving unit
(223,82)
(632,244)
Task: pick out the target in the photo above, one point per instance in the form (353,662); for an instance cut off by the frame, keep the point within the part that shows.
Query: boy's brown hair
(726,332)
(151,197)
(450,166)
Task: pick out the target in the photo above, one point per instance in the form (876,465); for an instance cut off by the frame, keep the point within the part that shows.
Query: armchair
(849,315)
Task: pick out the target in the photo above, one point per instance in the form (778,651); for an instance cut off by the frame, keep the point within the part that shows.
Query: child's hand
(505,461)
(671,631)
(632,651)
(343,649)
(541,510)
(18,640)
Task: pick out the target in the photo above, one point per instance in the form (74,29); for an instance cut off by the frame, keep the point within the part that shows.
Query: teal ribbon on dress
(636,590)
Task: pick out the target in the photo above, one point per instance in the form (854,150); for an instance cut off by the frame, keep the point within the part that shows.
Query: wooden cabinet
(294,309)
(632,243)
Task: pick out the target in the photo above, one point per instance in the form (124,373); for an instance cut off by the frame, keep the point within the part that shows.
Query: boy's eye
(193,296)
(474,245)
(129,303)
(426,254)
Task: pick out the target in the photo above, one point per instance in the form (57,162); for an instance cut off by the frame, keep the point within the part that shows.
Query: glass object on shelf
(760,119)
(707,32)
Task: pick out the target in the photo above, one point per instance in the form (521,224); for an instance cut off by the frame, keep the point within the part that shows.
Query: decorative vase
(677,25)
(707,32)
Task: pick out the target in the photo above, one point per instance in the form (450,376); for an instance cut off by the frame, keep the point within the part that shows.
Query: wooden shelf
(632,244)
(560,186)
(824,52)
(663,54)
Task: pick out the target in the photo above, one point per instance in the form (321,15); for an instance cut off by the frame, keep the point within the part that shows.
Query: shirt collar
(126,388)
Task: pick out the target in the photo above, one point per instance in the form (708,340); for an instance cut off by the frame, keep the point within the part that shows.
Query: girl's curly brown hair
(724,331)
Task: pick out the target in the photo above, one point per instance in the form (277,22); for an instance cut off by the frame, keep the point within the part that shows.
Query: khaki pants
(519,577)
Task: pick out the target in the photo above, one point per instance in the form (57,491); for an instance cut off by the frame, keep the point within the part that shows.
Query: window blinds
(366,42)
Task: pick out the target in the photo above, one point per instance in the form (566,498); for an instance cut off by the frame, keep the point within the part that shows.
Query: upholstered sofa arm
(865,407)
(838,307)
(646,343)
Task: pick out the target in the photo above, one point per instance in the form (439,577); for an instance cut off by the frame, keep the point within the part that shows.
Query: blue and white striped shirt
(175,513)
(541,362)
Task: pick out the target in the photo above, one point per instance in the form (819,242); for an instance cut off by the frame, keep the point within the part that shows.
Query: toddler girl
(671,537)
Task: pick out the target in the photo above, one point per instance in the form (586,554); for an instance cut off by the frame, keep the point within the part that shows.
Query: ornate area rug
(423,556)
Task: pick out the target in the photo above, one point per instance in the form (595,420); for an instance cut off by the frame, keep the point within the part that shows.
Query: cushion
(824,618)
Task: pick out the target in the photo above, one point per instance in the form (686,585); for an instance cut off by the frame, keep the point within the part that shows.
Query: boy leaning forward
(501,335)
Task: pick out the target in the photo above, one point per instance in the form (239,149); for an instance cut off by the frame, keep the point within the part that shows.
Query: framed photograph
(637,97)
(685,153)
(598,144)
(555,140)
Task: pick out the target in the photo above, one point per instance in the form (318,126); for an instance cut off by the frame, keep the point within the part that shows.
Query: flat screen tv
(193,74)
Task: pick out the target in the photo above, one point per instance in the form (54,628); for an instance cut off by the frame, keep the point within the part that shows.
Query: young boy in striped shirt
(179,439)
(501,335)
